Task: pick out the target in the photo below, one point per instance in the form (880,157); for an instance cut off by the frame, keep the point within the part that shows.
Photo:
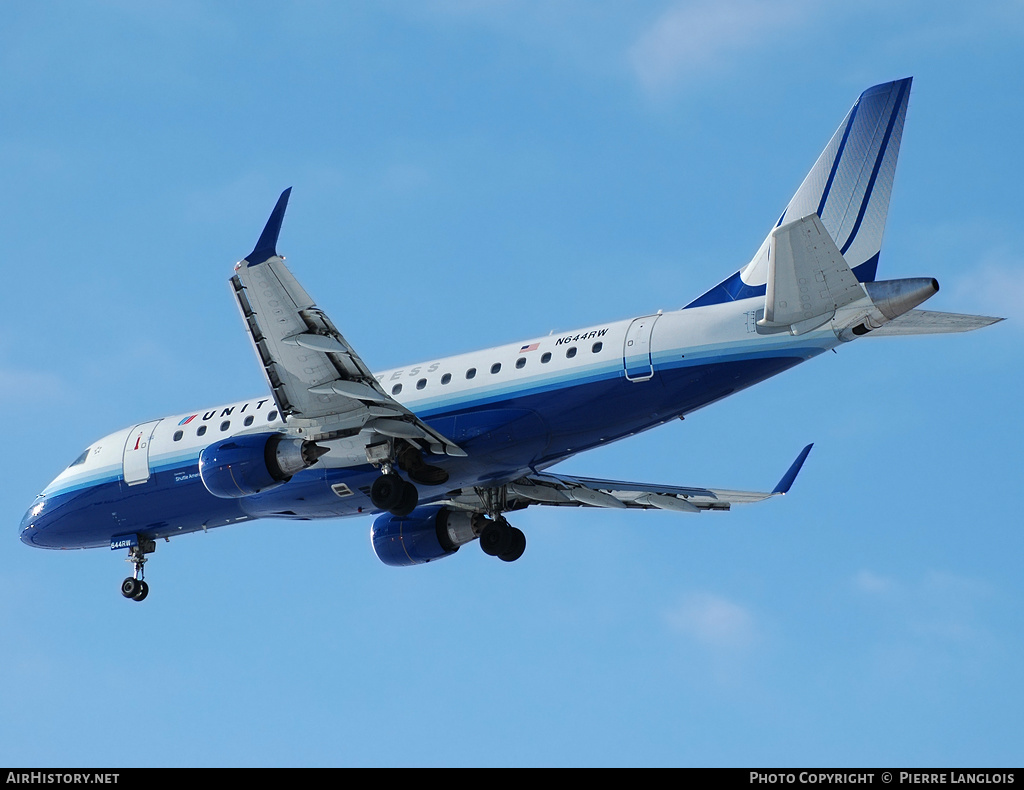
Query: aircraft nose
(32,521)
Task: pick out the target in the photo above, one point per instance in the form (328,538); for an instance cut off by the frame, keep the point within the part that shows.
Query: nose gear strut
(134,586)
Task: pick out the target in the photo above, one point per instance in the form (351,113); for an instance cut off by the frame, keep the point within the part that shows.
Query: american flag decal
(531,347)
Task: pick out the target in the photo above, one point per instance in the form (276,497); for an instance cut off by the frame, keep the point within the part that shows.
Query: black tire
(517,548)
(496,539)
(130,587)
(410,498)
(386,492)
(142,593)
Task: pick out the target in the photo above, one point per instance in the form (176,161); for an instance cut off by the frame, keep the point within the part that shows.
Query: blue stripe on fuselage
(506,431)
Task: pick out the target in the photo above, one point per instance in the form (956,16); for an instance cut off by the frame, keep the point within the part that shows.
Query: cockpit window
(80,459)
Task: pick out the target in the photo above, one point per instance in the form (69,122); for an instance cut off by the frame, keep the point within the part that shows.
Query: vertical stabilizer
(848,188)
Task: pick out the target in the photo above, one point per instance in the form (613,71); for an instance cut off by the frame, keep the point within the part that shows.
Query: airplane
(443,449)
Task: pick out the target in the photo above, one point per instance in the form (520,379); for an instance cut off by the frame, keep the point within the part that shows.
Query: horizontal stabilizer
(808,278)
(929,322)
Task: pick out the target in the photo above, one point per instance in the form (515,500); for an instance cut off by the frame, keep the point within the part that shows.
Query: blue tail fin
(848,188)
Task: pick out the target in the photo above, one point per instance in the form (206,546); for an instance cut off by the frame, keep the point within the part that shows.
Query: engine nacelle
(428,533)
(245,465)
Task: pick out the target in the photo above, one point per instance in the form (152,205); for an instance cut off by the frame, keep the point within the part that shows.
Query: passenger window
(225,425)
(446,378)
(272,416)
(178,435)
(495,367)
(597,347)
(248,420)
(545,358)
(521,363)
(201,430)
(421,384)
(571,352)
(470,373)
(396,389)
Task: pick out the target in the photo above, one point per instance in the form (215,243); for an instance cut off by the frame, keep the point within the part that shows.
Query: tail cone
(893,298)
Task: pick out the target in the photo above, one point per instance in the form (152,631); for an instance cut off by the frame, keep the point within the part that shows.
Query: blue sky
(473,173)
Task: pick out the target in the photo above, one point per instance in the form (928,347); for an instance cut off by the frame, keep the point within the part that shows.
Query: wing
(317,379)
(554,489)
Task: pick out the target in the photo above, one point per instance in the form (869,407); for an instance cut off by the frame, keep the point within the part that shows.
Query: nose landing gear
(136,589)
(134,586)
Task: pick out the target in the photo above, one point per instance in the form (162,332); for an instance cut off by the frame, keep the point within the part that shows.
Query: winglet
(266,247)
(794,470)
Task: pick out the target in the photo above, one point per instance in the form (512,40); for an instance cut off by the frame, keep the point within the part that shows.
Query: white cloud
(713,621)
(872,583)
(693,37)
(404,178)
(939,608)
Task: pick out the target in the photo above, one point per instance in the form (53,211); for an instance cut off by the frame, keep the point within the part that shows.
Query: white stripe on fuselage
(704,334)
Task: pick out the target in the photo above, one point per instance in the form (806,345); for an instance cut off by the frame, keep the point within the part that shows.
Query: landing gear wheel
(134,587)
(496,538)
(410,460)
(517,548)
(142,592)
(410,498)
(130,587)
(387,491)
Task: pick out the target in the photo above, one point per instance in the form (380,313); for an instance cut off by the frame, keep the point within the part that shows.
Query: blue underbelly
(505,437)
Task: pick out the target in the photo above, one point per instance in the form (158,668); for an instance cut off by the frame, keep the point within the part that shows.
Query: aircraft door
(636,349)
(136,453)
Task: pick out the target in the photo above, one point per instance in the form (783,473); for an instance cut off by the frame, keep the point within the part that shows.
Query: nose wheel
(134,586)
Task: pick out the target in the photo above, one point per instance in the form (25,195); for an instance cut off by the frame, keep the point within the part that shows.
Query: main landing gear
(393,494)
(135,587)
(389,491)
(500,539)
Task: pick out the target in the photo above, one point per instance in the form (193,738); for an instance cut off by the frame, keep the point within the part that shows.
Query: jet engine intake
(245,465)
